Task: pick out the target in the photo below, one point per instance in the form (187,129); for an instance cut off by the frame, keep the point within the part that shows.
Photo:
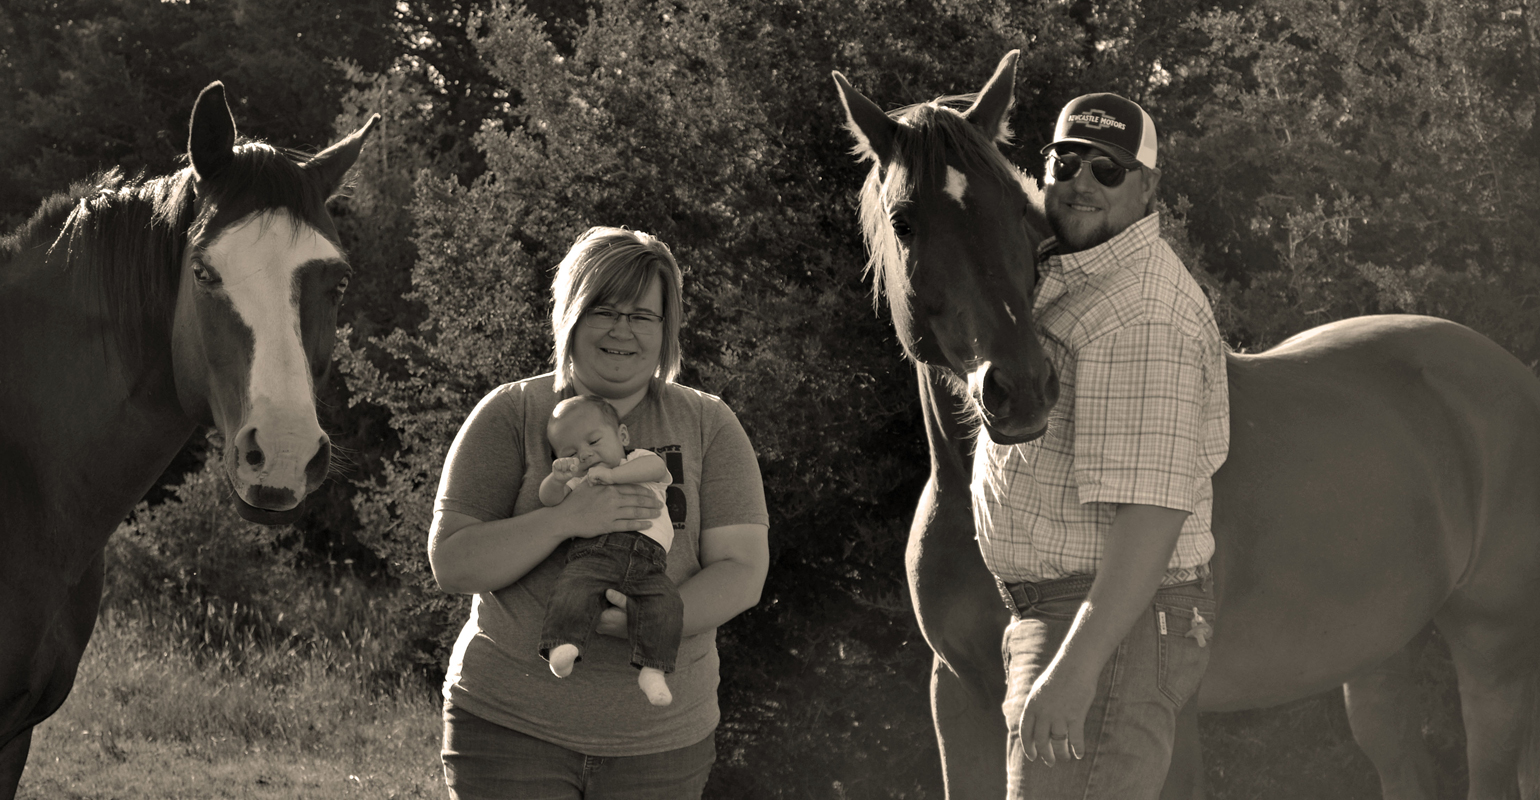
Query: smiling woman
(512,727)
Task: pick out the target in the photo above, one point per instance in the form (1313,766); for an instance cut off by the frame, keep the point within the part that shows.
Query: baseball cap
(1115,124)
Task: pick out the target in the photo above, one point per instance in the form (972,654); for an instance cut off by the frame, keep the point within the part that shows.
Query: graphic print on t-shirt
(673,456)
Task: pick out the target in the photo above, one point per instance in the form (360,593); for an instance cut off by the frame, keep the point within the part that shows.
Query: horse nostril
(997,391)
(248,449)
(321,463)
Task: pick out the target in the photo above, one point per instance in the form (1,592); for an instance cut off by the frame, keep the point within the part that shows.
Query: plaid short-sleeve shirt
(1143,414)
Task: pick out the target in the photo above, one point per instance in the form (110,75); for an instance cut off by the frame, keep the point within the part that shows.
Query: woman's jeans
(1131,726)
(634,565)
(485,761)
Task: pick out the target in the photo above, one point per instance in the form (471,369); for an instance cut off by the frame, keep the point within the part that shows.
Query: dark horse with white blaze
(1383,476)
(129,316)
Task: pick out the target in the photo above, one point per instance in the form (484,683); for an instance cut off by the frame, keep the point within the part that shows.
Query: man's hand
(1053,720)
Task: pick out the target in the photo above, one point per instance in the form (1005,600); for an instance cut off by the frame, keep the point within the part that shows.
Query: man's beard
(1085,240)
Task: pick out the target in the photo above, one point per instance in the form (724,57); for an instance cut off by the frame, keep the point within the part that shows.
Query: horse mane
(123,239)
(926,133)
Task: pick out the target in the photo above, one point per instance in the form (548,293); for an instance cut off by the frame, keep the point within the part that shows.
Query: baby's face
(583,433)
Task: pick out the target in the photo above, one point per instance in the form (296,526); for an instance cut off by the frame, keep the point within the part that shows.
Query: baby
(590,445)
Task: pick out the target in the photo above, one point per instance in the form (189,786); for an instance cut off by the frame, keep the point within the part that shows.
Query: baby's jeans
(634,565)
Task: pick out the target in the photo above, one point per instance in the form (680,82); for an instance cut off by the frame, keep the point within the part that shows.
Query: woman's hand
(599,510)
(612,620)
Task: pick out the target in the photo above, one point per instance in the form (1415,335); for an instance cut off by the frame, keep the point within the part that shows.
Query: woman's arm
(734,559)
(734,562)
(470,556)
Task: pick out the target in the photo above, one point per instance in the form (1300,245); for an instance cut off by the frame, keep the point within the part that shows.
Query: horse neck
(83,433)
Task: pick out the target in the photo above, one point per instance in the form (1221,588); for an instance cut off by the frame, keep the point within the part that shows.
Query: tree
(1368,157)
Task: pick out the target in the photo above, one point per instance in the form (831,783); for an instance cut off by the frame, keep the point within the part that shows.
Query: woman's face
(614,361)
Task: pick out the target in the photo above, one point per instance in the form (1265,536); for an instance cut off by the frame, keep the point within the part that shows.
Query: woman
(512,728)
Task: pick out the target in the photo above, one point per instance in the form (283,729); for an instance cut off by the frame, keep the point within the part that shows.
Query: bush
(224,587)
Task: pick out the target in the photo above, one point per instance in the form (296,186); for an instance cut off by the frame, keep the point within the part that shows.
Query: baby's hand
(599,475)
(565,469)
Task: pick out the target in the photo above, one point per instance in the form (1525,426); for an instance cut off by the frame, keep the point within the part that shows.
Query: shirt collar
(1108,255)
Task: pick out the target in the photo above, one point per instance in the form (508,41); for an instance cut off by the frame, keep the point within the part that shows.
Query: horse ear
(211,138)
(331,164)
(872,128)
(992,108)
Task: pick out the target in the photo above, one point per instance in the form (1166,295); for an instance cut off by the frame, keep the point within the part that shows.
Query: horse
(1383,477)
(131,313)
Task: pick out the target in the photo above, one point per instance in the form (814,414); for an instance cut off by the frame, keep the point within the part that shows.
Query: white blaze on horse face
(956,185)
(257,260)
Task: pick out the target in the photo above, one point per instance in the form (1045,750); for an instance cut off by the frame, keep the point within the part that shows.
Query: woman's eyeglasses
(607,318)
(1067,165)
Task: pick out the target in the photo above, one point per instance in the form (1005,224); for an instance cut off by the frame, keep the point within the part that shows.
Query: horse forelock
(926,135)
(263,178)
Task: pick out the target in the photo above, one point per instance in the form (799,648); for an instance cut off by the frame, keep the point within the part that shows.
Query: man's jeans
(634,565)
(1131,725)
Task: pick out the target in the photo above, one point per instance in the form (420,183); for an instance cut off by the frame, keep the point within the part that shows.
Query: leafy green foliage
(1368,158)
(89,84)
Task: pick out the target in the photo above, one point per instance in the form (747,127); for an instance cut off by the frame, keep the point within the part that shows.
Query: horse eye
(342,285)
(901,228)
(201,274)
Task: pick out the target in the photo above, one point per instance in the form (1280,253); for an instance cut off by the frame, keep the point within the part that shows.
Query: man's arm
(1138,549)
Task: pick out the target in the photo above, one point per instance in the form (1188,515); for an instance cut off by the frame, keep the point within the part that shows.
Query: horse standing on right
(1383,477)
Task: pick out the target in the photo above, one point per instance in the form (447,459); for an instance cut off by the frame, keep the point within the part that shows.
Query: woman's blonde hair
(613,266)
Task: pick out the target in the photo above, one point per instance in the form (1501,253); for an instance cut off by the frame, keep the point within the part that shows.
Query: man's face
(1083,212)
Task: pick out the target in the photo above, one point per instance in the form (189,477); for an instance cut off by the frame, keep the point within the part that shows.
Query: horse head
(262,275)
(953,228)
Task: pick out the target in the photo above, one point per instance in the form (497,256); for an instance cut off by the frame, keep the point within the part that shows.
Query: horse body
(128,318)
(1383,476)
(1364,465)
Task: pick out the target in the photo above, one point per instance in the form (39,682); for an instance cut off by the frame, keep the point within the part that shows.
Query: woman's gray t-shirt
(493,471)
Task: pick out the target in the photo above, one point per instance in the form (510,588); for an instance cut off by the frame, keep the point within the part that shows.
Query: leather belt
(1021,598)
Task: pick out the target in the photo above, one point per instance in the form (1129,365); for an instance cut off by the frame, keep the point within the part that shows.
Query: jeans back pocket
(1184,634)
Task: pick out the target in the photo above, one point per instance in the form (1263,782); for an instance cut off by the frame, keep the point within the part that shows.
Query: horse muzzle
(263,516)
(1013,409)
(272,473)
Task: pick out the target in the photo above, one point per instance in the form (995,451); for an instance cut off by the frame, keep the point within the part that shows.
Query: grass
(174,708)
(154,717)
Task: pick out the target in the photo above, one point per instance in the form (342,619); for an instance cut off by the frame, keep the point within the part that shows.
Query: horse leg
(1387,723)
(971,735)
(1185,779)
(1495,666)
(13,758)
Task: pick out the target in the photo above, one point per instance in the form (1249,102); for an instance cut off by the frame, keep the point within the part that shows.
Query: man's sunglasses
(1067,165)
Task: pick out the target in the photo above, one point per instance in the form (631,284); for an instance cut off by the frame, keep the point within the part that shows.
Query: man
(1099,531)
